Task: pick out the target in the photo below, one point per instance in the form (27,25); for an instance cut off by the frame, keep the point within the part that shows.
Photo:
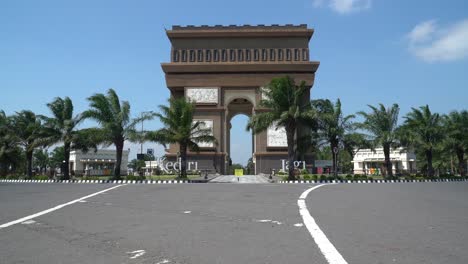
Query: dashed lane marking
(137,253)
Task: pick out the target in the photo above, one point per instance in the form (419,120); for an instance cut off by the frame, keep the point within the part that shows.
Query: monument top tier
(245,48)
(275,30)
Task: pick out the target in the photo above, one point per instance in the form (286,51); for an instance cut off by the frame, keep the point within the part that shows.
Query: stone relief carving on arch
(205,95)
(205,124)
(276,137)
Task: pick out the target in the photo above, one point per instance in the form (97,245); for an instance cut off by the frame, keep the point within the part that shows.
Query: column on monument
(227,140)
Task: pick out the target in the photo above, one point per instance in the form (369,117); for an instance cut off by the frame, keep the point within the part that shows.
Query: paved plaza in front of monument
(240,179)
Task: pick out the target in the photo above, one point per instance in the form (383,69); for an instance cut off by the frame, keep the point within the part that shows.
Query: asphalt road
(234,223)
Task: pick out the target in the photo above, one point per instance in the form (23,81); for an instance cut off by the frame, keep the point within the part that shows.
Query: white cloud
(344,6)
(432,43)
(422,32)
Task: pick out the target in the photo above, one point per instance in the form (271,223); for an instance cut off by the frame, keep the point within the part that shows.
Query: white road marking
(268,221)
(299,225)
(28,222)
(187,212)
(82,201)
(328,250)
(137,253)
(163,261)
(29,217)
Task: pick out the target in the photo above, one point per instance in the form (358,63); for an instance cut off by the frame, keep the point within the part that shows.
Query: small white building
(101,162)
(371,162)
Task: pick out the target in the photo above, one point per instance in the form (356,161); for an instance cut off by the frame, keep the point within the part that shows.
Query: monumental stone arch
(223,69)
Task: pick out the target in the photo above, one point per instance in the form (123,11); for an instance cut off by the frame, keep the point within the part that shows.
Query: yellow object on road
(239,172)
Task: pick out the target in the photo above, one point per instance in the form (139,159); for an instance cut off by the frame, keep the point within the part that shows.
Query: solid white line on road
(328,250)
(29,217)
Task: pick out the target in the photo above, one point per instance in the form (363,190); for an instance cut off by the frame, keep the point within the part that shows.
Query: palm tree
(425,132)
(6,143)
(62,128)
(382,125)
(11,155)
(180,128)
(456,140)
(41,160)
(332,124)
(116,126)
(287,108)
(353,142)
(26,128)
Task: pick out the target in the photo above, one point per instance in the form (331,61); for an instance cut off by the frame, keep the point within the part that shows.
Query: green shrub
(349,177)
(193,172)
(157,171)
(13,177)
(92,178)
(282,173)
(307,177)
(323,177)
(41,177)
(314,177)
(135,178)
(304,172)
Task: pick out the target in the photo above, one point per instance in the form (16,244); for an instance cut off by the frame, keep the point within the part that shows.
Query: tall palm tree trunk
(461,163)
(118,162)
(183,161)
(388,163)
(29,161)
(66,163)
(290,139)
(334,155)
(430,168)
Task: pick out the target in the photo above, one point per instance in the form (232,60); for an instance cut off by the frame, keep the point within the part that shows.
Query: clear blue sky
(371,51)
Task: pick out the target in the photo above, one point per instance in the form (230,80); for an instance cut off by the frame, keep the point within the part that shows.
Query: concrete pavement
(229,223)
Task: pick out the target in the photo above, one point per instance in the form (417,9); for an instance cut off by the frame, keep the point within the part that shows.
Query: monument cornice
(244,31)
(305,67)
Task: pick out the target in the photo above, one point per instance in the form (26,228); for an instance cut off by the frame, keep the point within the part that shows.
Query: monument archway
(235,107)
(222,70)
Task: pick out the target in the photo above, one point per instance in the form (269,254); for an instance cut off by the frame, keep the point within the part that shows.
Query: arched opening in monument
(240,142)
